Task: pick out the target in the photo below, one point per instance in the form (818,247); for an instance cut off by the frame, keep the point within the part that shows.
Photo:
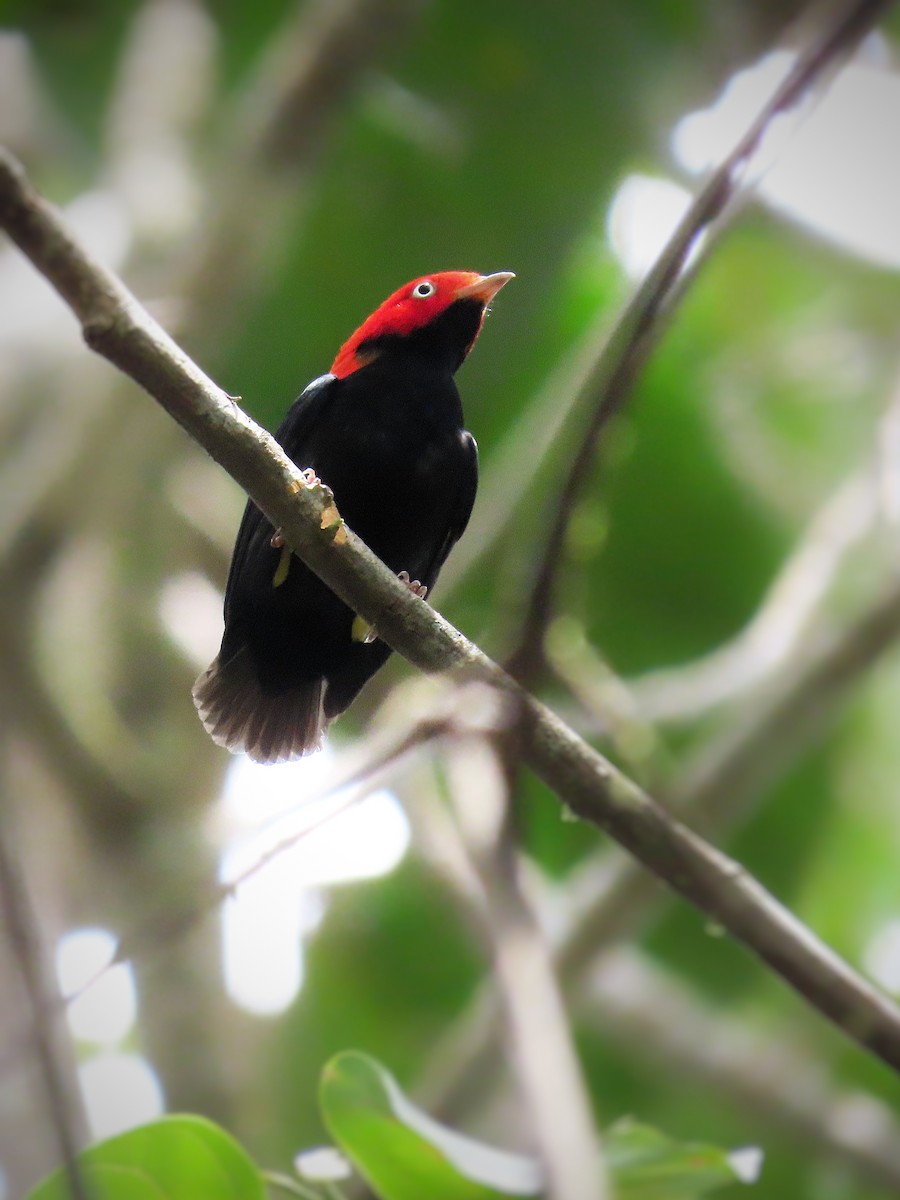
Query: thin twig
(539,1036)
(314,64)
(718,783)
(609,897)
(769,1074)
(642,323)
(117,327)
(363,777)
(607,700)
(632,1000)
(24,939)
(157,933)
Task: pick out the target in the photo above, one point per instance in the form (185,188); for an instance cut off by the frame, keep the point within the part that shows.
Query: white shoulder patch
(319,381)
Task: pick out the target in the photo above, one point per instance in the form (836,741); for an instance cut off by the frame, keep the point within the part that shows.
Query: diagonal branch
(642,323)
(769,1074)
(609,898)
(718,783)
(116,326)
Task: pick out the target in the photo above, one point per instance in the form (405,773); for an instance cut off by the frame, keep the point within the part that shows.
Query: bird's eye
(424,289)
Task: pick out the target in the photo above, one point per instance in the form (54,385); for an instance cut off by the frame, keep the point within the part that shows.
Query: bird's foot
(417,588)
(308,479)
(363,632)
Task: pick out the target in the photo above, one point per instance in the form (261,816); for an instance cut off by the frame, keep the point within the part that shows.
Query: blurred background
(263,176)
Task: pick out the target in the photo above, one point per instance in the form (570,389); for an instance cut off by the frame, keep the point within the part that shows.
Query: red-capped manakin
(384,430)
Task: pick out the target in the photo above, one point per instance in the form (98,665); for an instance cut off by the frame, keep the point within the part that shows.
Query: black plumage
(387,437)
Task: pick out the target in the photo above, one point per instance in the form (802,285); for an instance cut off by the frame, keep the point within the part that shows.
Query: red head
(414,307)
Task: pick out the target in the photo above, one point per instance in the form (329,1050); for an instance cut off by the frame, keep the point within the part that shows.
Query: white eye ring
(423,290)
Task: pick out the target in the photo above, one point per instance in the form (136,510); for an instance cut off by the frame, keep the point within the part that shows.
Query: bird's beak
(485,287)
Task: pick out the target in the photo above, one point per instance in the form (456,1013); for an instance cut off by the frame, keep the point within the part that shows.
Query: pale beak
(485,288)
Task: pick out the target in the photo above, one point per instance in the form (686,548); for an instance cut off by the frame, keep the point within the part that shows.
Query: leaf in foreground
(404,1153)
(175,1158)
(649,1165)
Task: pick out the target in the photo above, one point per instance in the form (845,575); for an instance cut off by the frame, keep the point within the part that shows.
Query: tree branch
(536,1026)
(717,784)
(24,939)
(609,897)
(640,327)
(116,326)
(768,1073)
(154,935)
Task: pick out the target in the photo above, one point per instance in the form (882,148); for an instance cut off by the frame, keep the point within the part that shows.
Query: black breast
(389,447)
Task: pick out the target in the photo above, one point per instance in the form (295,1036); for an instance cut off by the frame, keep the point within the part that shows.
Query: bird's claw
(310,480)
(413,585)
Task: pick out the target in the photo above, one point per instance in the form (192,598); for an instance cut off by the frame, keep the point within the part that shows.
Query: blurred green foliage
(493,136)
(399,1150)
(178,1158)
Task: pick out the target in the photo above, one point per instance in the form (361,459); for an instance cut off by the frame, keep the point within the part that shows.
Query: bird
(384,430)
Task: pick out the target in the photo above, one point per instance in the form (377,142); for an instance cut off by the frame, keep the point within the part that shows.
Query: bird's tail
(269,727)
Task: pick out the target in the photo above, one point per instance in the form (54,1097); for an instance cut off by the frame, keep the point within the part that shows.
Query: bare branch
(540,1041)
(632,1001)
(316,61)
(718,784)
(609,897)
(359,782)
(117,327)
(644,319)
(24,939)
(527,449)
(769,1074)
(157,933)
(606,699)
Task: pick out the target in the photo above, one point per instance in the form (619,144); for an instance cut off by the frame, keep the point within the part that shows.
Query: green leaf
(175,1158)
(649,1165)
(405,1154)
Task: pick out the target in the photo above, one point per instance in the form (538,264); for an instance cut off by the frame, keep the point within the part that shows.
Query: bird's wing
(254,535)
(465,499)
(293,432)
(462,509)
